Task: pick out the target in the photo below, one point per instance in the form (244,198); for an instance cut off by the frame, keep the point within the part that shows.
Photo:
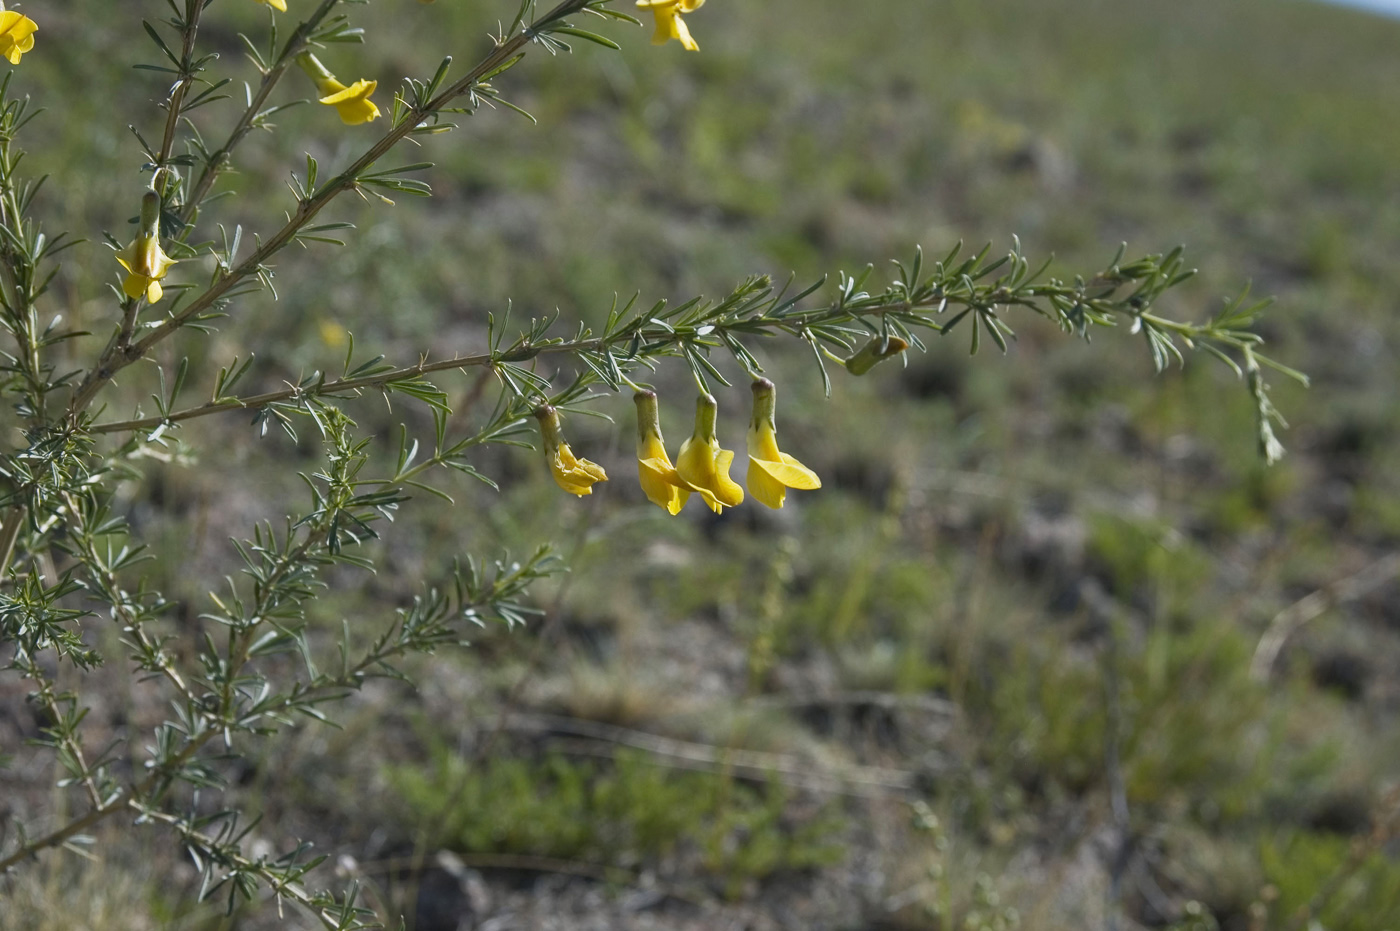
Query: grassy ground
(996,673)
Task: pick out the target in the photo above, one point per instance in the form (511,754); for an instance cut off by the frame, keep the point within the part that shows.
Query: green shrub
(625,813)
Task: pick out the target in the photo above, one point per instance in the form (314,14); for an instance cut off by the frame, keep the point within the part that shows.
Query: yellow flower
(332,333)
(276,4)
(352,103)
(574,475)
(16,34)
(771,471)
(654,469)
(702,466)
(669,24)
(143,260)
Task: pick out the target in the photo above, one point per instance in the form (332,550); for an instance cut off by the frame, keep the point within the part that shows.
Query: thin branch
(1288,621)
(63,834)
(69,739)
(9,533)
(860,781)
(280,887)
(121,612)
(658,339)
(176,100)
(215,162)
(338,386)
(114,361)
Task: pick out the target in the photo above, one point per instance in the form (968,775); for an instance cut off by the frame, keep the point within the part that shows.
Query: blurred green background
(1031,586)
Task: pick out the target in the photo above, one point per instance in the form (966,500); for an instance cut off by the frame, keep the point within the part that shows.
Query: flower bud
(874,352)
(150,215)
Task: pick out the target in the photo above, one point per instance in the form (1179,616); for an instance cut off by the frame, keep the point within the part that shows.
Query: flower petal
(135,285)
(357,91)
(162,263)
(16,35)
(764,487)
(574,488)
(666,20)
(790,472)
(704,468)
(682,32)
(591,470)
(726,489)
(660,484)
(574,475)
(711,502)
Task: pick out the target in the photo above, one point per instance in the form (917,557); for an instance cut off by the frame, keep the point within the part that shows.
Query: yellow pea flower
(143,260)
(669,24)
(574,475)
(276,4)
(658,477)
(771,471)
(702,466)
(16,34)
(352,103)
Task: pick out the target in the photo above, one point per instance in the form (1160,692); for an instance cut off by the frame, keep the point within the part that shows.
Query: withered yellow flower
(276,4)
(771,471)
(352,102)
(144,261)
(702,466)
(658,477)
(574,475)
(16,34)
(669,24)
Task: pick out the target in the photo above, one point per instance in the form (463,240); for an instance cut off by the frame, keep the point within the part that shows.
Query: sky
(1391,7)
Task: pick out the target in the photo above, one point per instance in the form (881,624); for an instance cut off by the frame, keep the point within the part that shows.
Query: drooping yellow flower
(352,103)
(658,477)
(771,471)
(574,475)
(669,24)
(144,261)
(276,4)
(702,466)
(146,265)
(16,34)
